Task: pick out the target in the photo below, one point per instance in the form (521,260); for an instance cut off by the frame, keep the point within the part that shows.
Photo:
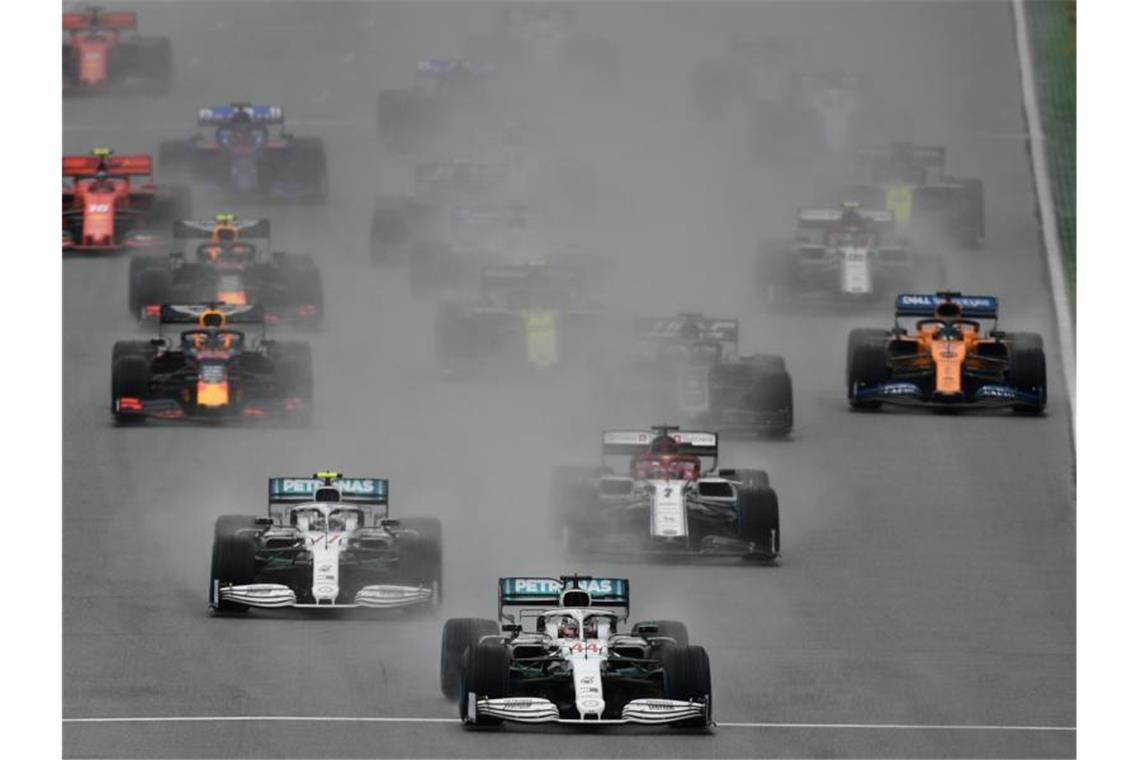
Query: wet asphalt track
(929,569)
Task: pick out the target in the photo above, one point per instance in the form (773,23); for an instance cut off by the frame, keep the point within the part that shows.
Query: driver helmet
(568,627)
(850,216)
(664,444)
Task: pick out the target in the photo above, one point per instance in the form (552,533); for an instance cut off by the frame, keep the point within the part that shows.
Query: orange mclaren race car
(102,49)
(948,360)
(104,212)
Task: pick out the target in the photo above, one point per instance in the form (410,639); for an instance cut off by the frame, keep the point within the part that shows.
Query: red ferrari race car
(103,50)
(103,211)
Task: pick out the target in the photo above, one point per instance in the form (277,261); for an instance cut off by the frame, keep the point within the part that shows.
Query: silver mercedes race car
(559,657)
(327,543)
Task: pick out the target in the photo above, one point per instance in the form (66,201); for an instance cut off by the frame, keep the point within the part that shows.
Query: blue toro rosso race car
(948,360)
(407,117)
(249,155)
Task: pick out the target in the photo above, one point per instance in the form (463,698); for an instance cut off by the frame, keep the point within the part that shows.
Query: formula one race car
(843,257)
(948,361)
(546,48)
(560,657)
(212,372)
(426,110)
(688,366)
(328,544)
(686,508)
(476,236)
(815,112)
(399,222)
(227,260)
(752,69)
(104,212)
(910,181)
(102,50)
(245,160)
(530,316)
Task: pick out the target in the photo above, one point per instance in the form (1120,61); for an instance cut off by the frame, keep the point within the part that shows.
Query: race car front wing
(275,595)
(904,393)
(539,710)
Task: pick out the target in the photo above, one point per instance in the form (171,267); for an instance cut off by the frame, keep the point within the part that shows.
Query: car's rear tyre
(669,629)
(748,478)
(232,559)
(175,158)
(139,264)
(390,230)
(1019,340)
(487,674)
(459,635)
(688,678)
(758,515)
(157,64)
(1027,375)
(130,378)
(775,395)
(423,554)
(866,364)
(310,167)
(153,289)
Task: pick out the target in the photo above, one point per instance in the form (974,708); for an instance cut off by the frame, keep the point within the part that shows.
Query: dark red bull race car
(211,371)
(102,50)
(105,211)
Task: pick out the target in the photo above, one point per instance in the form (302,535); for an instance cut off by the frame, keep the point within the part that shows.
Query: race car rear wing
(116,166)
(441,176)
(441,66)
(513,277)
(117,20)
(923,305)
(929,156)
(189,314)
(295,490)
(634,442)
(690,326)
(213,116)
(526,591)
(821,218)
(193,229)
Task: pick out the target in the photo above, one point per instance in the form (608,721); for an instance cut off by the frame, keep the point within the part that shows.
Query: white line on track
(728,724)
(1065,331)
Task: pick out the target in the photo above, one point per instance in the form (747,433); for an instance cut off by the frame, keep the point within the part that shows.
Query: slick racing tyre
(1027,375)
(487,674)
(231,562)
(866,363)
(687,678)
(758,516)
(459,635)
